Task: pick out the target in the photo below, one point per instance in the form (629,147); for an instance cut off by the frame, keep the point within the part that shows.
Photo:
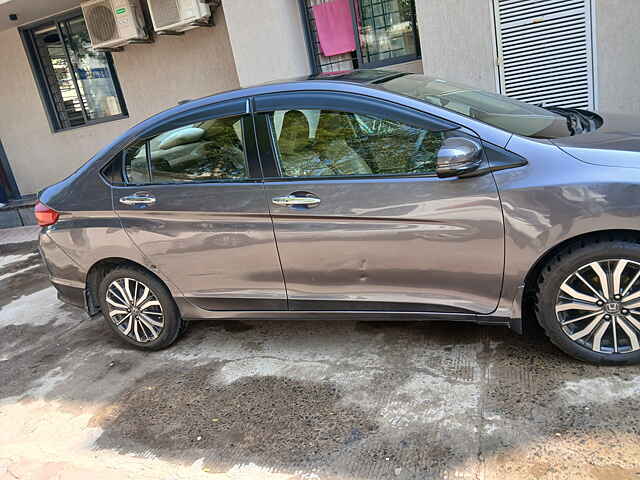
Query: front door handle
(139,198)
(294,200)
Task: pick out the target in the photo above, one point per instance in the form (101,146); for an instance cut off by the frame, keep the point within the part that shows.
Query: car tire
(562,284)
(151,321)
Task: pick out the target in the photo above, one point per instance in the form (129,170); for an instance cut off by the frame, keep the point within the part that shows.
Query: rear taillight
(45,216)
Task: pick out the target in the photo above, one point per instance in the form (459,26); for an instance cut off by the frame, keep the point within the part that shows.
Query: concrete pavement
(297,400)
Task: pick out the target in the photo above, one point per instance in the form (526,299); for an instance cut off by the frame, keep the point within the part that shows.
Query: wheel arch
(100,269)
(531,279)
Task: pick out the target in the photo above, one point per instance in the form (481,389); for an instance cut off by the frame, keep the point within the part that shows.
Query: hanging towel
(335,27)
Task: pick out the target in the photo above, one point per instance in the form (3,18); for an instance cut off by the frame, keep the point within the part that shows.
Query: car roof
(357,77)
(352,81)
(362,82)
(369,76)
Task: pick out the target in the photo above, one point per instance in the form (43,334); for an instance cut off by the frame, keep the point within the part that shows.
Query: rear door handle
(139,198)
(294,200)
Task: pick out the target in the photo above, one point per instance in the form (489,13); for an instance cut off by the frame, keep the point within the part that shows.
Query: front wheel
(139,308)
(588,301)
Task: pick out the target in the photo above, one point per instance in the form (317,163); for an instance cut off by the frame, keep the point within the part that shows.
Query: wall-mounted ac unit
(174,16)
(113,23)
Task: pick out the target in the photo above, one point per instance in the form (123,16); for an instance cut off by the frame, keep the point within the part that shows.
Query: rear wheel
(139,308)
(588,301)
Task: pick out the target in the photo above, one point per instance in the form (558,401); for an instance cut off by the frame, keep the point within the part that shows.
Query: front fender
(553,199)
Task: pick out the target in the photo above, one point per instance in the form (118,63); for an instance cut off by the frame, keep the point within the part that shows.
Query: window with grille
(79,85)
(384,33)
(545,51)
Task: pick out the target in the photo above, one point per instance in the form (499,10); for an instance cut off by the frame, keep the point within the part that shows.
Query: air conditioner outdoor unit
(174,16)
(113,23)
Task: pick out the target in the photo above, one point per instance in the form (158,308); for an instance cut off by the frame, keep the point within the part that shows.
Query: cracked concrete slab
(298,400)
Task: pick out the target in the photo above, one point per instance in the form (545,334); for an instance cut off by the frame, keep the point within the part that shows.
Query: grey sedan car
(372,195)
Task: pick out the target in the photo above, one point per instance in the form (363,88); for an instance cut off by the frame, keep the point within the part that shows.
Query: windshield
(497,110)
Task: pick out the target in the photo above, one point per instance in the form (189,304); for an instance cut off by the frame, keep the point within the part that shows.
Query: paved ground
(286,400)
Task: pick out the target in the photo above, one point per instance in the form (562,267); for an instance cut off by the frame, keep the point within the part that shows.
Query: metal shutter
(544,51)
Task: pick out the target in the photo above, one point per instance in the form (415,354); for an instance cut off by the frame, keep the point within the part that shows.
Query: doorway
(8,187)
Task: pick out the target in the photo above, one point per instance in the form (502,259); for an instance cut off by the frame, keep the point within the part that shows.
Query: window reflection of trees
(353,144)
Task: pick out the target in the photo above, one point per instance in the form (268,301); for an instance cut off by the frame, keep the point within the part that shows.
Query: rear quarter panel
(87,231)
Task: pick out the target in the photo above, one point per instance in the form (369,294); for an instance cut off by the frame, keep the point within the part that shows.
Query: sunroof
(359,76)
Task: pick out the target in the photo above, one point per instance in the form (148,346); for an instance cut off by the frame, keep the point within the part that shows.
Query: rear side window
(136,165)
(321,143)
(207,151)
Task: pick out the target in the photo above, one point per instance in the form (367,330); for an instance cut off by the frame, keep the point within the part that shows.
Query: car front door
(193,201)
(362,222)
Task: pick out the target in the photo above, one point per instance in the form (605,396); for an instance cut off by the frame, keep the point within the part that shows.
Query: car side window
(207,151)
(318,143)
(136,167)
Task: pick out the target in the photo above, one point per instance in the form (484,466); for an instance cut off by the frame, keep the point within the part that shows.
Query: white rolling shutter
(544,51)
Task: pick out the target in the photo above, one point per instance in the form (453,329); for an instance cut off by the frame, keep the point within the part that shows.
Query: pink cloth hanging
(335,27)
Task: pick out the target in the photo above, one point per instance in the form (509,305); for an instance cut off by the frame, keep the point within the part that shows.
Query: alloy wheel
(598,306)
(135,309)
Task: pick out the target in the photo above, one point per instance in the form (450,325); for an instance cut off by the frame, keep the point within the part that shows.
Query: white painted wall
(457,40)
(268,40)
(617,34)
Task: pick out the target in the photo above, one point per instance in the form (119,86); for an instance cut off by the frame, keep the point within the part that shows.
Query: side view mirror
(458,155)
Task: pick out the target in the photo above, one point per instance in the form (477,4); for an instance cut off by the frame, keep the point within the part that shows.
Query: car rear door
(193,201)
(361,220)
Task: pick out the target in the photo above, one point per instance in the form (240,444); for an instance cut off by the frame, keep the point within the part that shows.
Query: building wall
(268,40)
(409,67)
(618,55)
(256,41)
(458,40)
(458,43)
(153,77)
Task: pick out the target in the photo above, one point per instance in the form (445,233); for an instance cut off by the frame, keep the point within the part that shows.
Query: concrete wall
(618,55)
(458,41)
(409,67)
(258,40)
(153,77)
(268,40)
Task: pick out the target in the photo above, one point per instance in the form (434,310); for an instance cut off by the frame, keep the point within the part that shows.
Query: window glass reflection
(59,76)
(79,80)
(92,72)
(387,29)
(324,143)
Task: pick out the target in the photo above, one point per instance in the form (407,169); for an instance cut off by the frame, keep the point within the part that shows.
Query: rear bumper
(64,273)
(72,295)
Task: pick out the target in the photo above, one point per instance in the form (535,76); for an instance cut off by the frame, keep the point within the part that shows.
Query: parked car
(363,195)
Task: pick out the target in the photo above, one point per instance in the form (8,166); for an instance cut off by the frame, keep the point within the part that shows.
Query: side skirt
(190,313)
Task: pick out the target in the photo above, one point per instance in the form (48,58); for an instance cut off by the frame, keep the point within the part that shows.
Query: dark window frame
(26,34)
(313,46)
